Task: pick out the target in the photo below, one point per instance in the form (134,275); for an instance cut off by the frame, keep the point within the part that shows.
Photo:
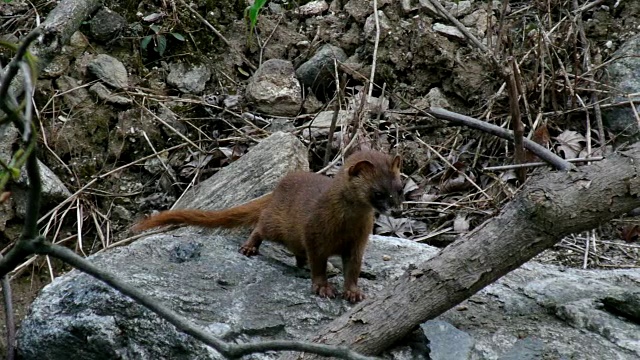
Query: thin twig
(10,323)
(537,164)
(375,48)
(334,119)
(516,119)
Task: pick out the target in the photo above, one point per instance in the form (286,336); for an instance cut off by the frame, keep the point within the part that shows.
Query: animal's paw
(247,250)
(353,295)
(324,290)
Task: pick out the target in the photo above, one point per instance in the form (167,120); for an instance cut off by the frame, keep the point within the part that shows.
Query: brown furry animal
(313,216)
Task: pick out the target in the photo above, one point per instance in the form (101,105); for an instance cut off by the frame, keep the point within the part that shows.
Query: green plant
(159,39)
(251,14)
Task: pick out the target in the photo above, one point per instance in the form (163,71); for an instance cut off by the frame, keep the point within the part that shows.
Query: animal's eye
(378,194)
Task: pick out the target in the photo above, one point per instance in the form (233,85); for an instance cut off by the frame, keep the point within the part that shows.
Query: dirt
(84,138)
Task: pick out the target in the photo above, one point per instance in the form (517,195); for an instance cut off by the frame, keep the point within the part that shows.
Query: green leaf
(145,42)
(178,36)
(254,10)
(162,45)
(241,71)
(15,173)
(155,28)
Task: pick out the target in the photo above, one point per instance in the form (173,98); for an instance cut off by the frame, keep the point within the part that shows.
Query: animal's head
(375,177)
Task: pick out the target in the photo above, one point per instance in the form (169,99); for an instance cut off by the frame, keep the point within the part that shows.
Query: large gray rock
(558,310)
(537,311)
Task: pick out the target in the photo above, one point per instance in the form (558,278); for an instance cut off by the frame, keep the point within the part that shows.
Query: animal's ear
(360,167)
(396,163)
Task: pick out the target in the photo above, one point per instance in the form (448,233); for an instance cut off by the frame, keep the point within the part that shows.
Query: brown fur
(314,216)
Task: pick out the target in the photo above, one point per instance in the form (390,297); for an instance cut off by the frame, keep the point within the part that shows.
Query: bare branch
(468,121)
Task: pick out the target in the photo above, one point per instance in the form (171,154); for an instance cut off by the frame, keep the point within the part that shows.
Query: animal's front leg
(319,282)
(352,263)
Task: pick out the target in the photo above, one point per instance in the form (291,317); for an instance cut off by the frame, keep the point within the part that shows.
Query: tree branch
(468,121)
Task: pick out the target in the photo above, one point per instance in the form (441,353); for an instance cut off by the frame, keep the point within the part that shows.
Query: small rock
(318,71)
(370,26)
(76,46)
(478,21)
(119,212)
(171,118)
(459,8)
(274,89)
(106,25)
(56,67)
(426,4)
(188,80)
(386,257)
(324,118)
(446,341)
(280,124)
(359,9)
(275,8)
(110,70)
(312,8)
(74,94)
(436,98)
(231,102)
(105,95)
(407,7)
(185,251)
(447,30)
(311,103)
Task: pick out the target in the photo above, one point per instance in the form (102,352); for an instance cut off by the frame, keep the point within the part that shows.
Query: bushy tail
(240,216)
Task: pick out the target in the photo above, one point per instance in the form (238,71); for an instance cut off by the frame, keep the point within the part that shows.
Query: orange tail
(243,215)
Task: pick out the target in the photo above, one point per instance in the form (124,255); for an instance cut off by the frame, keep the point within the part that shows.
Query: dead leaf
(4,196)
(570,144)
(196,161)
(409,186)
(541,137)
(401,227)
(454,180)
(630,233)
(429,197)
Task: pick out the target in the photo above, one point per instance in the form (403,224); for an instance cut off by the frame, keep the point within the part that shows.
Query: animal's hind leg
(252,245)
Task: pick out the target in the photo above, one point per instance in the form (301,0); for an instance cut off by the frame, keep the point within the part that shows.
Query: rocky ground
(148,99)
